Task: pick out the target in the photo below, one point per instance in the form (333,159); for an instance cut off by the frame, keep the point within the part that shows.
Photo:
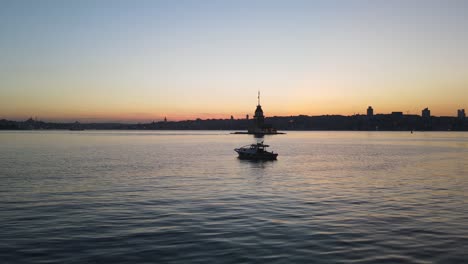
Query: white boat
(256,152)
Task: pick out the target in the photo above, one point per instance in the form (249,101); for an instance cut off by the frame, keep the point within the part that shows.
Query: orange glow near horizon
(146,115)
(345,97)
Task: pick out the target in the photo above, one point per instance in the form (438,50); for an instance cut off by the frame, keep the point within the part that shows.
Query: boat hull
(257,156)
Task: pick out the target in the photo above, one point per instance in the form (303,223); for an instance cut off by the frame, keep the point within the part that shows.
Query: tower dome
(259,119)
(258,111)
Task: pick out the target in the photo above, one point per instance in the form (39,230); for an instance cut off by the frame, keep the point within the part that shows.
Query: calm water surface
(184,197)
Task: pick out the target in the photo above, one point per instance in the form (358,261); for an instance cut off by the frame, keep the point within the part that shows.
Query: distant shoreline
(379,122)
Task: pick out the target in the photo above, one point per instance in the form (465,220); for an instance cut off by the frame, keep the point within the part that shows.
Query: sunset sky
(144,60)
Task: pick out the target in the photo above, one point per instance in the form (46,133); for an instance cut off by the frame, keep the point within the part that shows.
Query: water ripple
(331,197)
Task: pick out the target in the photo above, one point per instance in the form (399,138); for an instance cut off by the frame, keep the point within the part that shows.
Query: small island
(258,126)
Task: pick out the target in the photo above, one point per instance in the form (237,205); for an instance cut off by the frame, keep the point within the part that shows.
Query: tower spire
(259,97)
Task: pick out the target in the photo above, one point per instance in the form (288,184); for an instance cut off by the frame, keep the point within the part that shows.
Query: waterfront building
(426,116)
(370,112)
(426,113)
(461,114)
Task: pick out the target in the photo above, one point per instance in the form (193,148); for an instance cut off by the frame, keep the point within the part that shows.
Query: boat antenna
(258,97)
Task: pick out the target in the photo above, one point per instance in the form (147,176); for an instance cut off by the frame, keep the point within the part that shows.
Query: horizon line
(143,121)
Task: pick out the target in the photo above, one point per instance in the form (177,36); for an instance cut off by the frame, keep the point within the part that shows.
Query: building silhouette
(426,119)
(258,125)
(426,113)
(461,114)
(258,119)
(370,112)
(397,114)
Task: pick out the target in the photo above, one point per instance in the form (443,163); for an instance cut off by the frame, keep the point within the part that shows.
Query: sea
(185,197)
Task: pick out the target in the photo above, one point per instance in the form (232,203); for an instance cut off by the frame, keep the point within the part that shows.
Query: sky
(138,61)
